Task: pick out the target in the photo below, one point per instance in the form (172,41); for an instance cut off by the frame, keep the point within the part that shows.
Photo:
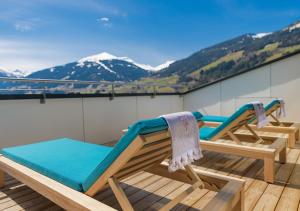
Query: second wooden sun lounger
(224,140)
(276,128)
(70,172)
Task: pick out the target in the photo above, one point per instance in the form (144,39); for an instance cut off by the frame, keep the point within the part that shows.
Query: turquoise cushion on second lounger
(212,118)
(271,104)
(210,133)
(77,164)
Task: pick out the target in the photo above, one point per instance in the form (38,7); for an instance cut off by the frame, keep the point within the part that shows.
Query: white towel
(260,114)
(281,111)
(185,139)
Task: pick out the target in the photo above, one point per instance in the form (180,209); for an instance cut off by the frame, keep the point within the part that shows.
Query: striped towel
(184,132)
(281,111)
(260,114)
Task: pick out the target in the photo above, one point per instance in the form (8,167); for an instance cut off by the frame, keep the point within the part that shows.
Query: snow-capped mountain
(234,56)
(13,74)
(292,26)
(19,73)
(261,35)
(4,73)
(163,66)
(103,66)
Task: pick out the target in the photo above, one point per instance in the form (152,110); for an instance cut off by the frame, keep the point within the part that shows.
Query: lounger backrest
(237,120)
(269,109)
(146,143)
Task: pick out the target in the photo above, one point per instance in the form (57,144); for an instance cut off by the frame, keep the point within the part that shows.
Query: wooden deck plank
(104,194)
(143,193)
(160,203)
(132,189)
(291,195)
(157,195)
(203,201)
(272,194)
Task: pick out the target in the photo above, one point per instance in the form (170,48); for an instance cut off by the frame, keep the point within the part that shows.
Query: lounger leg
(291,140)
(297,135)
(120,195)
(282,155)
(240,206)
(269,170)
(2,179)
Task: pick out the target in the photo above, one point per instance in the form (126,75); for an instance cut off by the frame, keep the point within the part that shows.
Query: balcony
(100,118)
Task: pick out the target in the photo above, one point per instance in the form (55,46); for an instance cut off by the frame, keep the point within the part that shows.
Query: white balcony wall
(100,120)
(96,120)
(280,79)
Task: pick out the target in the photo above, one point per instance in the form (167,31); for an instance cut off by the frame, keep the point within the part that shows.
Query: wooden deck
(149,192)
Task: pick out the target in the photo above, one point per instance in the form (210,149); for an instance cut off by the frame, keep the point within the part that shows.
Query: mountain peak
(5,73)
(163,65)
(292,26)
(98,57)
(104,56)
(261,35)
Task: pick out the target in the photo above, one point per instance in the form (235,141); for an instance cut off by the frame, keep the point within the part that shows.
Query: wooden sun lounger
(247,148)
(145,153)
(291,129)
(267,132)
(275,129)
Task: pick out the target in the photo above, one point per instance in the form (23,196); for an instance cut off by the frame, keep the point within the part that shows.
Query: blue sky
(40,33)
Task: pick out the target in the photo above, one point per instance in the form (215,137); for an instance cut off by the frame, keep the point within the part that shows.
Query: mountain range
(99,67)
(234,56)
(202,67)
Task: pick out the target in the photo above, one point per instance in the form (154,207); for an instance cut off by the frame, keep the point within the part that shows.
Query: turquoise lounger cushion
(271,104)
(65,160)
(211,118)
(267,107)
(230,119)
(77,164)
(205,132)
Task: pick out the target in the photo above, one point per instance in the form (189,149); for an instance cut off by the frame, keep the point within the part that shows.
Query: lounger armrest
(279,144)
(236,149)
(212,124)
(276,129)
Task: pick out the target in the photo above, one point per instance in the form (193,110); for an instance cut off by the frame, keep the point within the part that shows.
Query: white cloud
(24,26)
(105,21)
(25,15)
